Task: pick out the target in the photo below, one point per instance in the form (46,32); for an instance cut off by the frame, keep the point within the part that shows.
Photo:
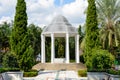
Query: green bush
(8,69)
(82,73)
(13,69)
(117,62)
(96,70)
(10,60)
(30,74)
(114,72)
(101,59)
(3,70)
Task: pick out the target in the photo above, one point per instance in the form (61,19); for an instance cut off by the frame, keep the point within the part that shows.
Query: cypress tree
(20,44)
(91,37)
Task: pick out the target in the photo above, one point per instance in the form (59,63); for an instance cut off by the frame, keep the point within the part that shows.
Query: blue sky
(41,12)
(63,2)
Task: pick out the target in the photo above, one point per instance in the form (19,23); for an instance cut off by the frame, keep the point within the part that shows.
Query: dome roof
(59,25)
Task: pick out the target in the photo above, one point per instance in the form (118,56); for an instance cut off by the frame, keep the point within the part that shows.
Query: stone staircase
(59,66)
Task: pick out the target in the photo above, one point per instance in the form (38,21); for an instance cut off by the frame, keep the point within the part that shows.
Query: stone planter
(96,76)
(15,75)
(113,77)
(12,75)
(3,76)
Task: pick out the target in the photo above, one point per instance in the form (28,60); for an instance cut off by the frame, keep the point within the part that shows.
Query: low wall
(113,77)
(97,76)
(102,76)
(12,76)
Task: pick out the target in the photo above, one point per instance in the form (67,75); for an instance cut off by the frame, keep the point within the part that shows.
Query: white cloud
(7,10)
(5,19)
(75,11)
(41,12)
(7,7)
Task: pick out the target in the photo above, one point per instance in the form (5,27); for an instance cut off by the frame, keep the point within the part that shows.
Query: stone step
(59,66)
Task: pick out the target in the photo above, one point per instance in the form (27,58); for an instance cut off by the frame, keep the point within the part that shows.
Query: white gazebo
(60,27)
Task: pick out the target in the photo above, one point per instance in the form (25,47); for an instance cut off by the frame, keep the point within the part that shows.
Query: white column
(42,49)
(77,48)
(67,48)
(52,48)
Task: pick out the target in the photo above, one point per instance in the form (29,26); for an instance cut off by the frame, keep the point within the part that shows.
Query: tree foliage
(5,31)
(60,47)
(101,59)
(10,60)
(108,16)
(34,33)
(20,26)
(27,60)
(82,37)
(20,43)
(91,37)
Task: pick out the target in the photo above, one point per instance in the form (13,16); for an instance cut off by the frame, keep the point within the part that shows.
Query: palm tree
(108,16)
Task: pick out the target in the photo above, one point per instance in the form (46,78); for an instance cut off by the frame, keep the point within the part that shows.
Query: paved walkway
(58,75)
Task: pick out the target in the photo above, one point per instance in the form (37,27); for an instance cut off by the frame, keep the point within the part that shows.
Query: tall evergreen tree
(20,43)
(91,37)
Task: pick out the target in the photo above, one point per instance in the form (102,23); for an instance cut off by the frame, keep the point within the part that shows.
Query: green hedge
(101,59)
(8,69)
(30,73)
(82,73)
(109,71)
(114,72)
(96,70)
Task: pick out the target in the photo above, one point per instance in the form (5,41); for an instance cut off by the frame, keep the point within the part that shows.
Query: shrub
(114,72)
(101,59)
(13,69)
(3,70)
(32,70)
(82,73)
(96,70)
(117,62)
(8,69)
(30,73)
(10,60)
